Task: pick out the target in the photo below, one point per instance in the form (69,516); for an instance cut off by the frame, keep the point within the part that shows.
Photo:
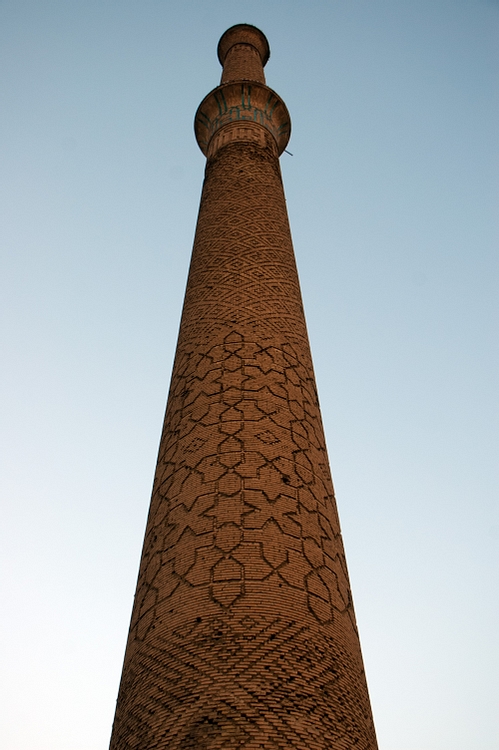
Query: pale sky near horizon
(392,196)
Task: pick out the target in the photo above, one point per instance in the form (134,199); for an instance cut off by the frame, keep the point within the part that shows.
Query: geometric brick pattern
(226,689)
(243,632)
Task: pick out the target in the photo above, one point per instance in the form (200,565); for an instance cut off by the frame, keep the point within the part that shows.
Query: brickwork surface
(243,632)
(243,63)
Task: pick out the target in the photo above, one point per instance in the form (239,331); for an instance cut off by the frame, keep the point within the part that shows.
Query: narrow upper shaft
(243,51)
(242,108)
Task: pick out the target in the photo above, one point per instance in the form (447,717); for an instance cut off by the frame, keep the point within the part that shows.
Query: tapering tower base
(243,633)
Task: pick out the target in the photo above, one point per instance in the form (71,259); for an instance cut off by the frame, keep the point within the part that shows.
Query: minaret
(243,631)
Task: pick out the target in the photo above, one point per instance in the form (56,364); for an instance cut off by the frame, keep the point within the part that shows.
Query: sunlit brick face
(243,632)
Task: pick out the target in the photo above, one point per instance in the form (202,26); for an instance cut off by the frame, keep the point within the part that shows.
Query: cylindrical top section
(243,33)
(242,108)
(243,51)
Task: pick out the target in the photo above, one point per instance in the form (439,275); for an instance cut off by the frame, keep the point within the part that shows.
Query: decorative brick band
(242,102)
(248,132)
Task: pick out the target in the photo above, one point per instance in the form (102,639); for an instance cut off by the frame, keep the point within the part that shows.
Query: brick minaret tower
(243,632)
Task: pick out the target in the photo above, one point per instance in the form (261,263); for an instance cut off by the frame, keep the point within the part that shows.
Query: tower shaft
(243,632)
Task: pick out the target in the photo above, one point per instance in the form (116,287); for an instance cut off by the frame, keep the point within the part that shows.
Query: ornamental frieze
(249,102)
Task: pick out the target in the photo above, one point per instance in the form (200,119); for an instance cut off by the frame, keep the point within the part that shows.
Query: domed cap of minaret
(243,33)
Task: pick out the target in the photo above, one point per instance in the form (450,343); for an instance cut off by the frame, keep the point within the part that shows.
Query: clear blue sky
(392,195)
